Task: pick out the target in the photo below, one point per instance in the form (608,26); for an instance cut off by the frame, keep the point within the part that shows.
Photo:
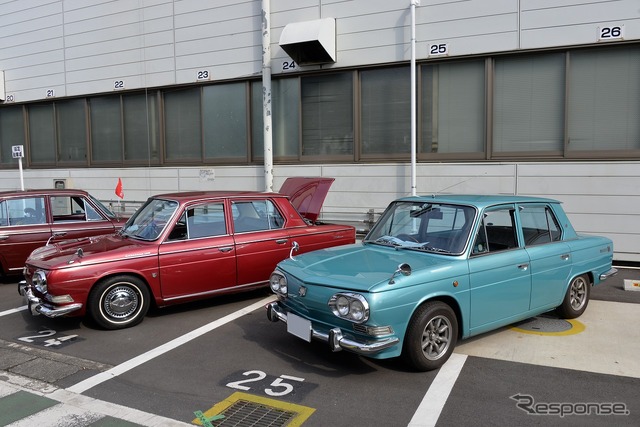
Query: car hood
(95,249)
(369,268)
(307,194)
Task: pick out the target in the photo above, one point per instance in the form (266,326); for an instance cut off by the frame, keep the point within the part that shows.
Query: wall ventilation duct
(310,42)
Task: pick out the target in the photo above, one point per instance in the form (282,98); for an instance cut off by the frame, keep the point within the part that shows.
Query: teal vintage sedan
(437,269)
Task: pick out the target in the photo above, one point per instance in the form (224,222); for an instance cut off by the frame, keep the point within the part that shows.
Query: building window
(42,134)
(141,128)
(224,108)
(183,134)
(285,116)
(106,129)
(528,104)
(11,133)
(327,115)
(604,99)
(72,131)
(453,108)
(385,112)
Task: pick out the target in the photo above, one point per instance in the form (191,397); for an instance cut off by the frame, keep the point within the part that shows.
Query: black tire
(119,302)
(576,299)
(431,336)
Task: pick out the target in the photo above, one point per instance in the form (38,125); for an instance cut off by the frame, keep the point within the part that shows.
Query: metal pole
(21,175)
(266,96)
(413,98)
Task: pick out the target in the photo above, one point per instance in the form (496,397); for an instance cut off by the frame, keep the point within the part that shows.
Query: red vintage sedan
(32,218)
(180,247)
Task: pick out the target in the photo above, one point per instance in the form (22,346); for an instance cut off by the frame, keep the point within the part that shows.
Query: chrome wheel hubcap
(578,293)
(436,337)
(120,302)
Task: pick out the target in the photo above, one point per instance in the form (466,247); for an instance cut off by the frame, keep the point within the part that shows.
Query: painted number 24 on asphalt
(48,342)
(278,387)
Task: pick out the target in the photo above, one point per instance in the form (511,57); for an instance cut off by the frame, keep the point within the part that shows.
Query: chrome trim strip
(612,272)
(217,291)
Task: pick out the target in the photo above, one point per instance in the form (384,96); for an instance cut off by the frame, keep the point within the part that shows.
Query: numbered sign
(613,32)
(17,151)
(440,49)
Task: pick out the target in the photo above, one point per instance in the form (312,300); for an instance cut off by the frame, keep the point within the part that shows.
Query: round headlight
(350,306)
(342,305)
(278,283)
(39,281)
(357,310)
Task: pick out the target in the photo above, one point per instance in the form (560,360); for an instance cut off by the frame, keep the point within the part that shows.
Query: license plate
(299,327)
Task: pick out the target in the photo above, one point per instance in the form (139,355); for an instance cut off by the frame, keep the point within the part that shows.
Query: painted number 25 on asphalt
(281,386)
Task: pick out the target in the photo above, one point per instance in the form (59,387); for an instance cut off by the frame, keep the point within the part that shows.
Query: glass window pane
(183,125)
(26,211)
(224,108)
(72,131)
(604,99)
(141,128)
(285,111)
(42,134)
(453,108)
(386,111)
(327,115)
(106,136)
(11,133)
(528,110)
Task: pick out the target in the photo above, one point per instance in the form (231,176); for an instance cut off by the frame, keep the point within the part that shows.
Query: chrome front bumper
(37,306)
(334,337)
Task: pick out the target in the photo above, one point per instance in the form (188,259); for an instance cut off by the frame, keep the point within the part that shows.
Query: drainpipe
(414,3)
(266,96)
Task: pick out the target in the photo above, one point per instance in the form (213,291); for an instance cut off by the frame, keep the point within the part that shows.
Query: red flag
(119,191)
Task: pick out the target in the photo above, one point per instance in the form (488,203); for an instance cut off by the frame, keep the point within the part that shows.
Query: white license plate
(299,327)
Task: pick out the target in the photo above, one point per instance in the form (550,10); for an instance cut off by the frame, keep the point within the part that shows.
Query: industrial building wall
(53,49)
(61,48)
(600,198)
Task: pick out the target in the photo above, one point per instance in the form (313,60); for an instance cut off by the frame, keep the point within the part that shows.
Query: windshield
(150,220)
(431,227)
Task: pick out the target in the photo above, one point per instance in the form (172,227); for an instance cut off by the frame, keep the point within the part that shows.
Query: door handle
(4,237)
(523,266)
(564,257)
(226,249)
(281,241)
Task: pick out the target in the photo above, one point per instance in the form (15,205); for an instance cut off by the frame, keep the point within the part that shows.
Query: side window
(25,211)
(4,216)
(539,225)
(497,232)
(256,215)
(73,208)
(200,221)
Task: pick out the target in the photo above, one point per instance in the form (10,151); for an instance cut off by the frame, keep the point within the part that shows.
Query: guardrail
(361,221)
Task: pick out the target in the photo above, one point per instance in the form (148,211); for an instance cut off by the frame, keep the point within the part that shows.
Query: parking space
(210,357)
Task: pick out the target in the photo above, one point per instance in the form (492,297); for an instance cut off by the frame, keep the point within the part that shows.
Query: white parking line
(93,381)
(431,406)
(13,310)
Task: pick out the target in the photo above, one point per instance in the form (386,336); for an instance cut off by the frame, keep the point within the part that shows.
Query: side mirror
(404,269)
(295,247)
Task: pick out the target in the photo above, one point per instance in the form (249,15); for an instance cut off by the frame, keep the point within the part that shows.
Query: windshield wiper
(388,241)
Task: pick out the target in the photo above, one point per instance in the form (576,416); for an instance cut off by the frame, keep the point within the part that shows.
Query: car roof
(479,200)
(41,191)
(187,196)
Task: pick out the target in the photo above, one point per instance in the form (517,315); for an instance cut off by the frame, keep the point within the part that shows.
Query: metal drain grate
(544,324)
(244,413)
